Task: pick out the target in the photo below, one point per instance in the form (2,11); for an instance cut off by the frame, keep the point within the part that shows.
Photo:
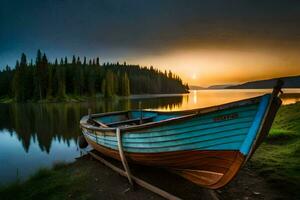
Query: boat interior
(132,118)
(139,117)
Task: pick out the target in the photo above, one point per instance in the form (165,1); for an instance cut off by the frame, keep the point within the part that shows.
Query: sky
(205,42)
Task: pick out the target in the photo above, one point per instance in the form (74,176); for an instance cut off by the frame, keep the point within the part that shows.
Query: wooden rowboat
(207,146)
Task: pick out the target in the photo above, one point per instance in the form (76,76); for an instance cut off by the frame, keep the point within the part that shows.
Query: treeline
(46,80)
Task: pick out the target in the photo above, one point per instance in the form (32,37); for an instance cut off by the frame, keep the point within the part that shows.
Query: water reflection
(41,123)
(37,135)
(205,98)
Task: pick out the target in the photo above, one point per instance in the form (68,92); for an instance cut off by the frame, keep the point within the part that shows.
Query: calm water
(33,136)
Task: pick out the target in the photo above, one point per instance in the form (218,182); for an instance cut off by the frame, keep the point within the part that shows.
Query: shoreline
(78,99)
(88,179)
(272,173)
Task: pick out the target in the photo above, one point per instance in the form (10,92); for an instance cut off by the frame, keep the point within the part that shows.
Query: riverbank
(89,179)
(272,173)
(278,158)
(77,98)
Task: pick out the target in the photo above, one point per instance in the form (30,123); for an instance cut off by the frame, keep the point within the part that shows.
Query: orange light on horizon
(206,67)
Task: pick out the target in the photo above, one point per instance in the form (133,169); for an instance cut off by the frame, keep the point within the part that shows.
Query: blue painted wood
(199,133)
(186,129)
(183,130)
(176,140)
(199,121)
(246,146)
(110,118)
(137,114)
(181,136)
(132,115)
(200,145)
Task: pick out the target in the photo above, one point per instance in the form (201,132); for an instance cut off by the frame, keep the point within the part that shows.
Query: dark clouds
(115,28)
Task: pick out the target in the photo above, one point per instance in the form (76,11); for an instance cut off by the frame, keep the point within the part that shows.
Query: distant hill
(195,87)
(220,86)
(212,87)
(289,82)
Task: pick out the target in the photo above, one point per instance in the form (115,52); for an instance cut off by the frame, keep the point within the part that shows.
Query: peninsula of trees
(40,80)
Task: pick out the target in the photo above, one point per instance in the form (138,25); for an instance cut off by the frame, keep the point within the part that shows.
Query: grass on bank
(66,98)
(6,99)
(57,183)
(278,158)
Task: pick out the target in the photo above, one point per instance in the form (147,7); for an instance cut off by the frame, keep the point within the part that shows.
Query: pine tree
(91,82)
(50,82)
(73,60)
(125,85)
(78,62)
(6,77)
(54,82)
(61,81)
(44,76)
(108,85)
(23,75)
(16,81)
(37,76)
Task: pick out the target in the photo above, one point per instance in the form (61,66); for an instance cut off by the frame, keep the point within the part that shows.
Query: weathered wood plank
(137,180)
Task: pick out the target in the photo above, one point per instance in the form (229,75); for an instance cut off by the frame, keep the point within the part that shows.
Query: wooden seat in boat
(134,121)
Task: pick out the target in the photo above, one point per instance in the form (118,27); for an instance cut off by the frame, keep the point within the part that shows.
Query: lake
(34,136)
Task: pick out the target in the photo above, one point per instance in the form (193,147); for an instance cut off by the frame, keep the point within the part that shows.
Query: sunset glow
(204,42)
(206,67)
(194,76)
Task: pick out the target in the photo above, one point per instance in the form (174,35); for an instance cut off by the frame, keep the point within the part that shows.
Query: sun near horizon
(206,67)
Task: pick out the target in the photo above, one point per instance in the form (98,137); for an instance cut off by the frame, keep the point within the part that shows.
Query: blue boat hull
(206,146)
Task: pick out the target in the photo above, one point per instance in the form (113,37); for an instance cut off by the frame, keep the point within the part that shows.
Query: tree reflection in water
(45,122)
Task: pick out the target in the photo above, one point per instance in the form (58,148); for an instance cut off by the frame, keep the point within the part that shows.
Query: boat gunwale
(189,115)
